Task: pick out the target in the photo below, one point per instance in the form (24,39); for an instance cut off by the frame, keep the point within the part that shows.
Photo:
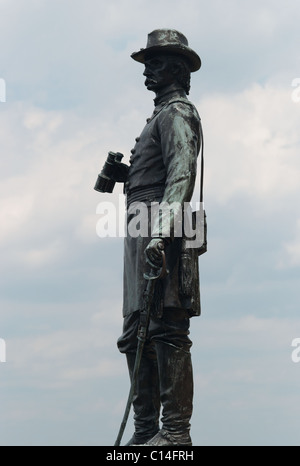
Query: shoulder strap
(202,164)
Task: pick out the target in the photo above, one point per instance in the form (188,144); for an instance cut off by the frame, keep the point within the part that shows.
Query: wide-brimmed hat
(168,40)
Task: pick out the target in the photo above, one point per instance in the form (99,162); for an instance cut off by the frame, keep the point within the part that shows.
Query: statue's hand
(154,252)
(120,172)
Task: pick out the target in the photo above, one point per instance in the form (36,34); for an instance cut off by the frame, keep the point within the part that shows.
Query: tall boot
(176,395)
(146,403)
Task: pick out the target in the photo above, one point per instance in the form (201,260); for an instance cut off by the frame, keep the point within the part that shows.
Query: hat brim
(193,57)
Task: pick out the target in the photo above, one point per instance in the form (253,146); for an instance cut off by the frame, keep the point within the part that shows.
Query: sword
(156,273)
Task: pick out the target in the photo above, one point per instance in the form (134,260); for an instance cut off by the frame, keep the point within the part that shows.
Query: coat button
(133,151)
(137,139)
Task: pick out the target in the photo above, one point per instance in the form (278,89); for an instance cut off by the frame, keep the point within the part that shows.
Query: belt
(145,193)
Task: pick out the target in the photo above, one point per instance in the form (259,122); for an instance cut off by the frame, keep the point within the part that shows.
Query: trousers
(165,378)
(172,328)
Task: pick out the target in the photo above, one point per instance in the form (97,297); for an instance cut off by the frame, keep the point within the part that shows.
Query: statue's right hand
(120,172)
(153,252)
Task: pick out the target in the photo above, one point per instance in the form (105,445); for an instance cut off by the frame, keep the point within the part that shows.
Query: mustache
(150,80)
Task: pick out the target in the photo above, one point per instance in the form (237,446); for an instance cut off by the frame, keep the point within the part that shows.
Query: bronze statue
(162,169)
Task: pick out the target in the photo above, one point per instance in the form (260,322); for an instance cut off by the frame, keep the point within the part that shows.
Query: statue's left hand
(154,252)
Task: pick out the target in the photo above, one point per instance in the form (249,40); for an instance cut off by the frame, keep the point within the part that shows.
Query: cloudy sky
(72,94)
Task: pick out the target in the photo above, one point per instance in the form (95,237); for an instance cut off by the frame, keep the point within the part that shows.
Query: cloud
(79,60)
(251,146)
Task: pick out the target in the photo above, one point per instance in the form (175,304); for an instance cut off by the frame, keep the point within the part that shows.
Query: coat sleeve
(179,130)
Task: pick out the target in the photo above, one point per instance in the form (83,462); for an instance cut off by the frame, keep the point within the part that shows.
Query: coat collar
(170,93)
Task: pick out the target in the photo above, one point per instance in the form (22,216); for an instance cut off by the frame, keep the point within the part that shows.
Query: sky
(72,94)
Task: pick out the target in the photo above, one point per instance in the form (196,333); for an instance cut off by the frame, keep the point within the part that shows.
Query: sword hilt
(157,273)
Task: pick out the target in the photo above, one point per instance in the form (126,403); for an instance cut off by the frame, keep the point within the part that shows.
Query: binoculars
(105,182)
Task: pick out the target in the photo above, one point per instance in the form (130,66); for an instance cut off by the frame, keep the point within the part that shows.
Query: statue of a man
(163,168)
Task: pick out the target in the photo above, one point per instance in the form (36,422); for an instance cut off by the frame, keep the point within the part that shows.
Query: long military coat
(163,168)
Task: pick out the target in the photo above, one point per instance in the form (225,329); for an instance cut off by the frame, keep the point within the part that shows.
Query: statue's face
(158,72)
